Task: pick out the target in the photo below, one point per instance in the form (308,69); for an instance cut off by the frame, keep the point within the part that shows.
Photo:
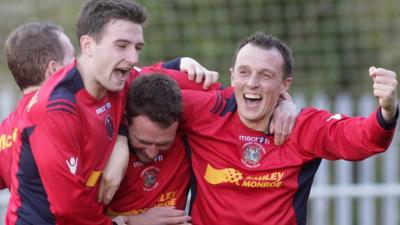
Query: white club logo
(72,164)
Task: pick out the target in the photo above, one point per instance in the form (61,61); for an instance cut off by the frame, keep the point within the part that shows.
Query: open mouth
(252,100)
(123,72)
(252,97)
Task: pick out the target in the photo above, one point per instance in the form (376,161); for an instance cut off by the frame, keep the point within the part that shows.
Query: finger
(372,70)
(287,97)
(278,133)
(215,76)
(285,131)
(384,74)
(382,94)
(191,72)
(175,213)
(101,189)
(385,88)
(272,126)
(200,74)
(178,220)
(291,127)
(109,194)
(385,80)
(208,79)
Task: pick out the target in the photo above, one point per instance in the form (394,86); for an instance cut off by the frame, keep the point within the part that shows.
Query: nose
(253,80)
(151,151)
(132,58)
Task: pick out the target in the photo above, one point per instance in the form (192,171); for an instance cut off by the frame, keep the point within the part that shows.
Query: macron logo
(334,117)
(72,164)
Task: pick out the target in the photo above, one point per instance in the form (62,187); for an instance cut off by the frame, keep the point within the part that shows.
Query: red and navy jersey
(8,137)
(65,142)
(242,177)
(163,182)
(66,139)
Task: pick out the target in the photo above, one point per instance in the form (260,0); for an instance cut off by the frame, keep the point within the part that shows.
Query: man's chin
(145,160)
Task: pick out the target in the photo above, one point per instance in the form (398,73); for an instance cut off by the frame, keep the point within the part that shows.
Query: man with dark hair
(242,177)
(163,107)
(155,185)
(70,126)
(33,52)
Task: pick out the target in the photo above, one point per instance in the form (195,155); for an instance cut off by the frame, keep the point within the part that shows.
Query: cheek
(238,84)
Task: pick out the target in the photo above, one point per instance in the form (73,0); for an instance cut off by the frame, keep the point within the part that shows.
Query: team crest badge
(252,154)
(149,176)
(109,126)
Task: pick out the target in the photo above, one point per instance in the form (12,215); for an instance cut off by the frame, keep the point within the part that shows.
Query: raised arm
(352,138)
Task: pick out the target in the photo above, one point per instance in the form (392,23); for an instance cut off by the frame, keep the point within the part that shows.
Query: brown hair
(262,40)
(95,14)
(156,96)
(30,48)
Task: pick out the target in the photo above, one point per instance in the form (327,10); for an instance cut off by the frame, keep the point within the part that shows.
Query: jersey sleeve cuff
(173,64)
(123,130)
(385,125)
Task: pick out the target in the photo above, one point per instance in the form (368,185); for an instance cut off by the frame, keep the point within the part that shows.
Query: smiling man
(242,177)
(71,124)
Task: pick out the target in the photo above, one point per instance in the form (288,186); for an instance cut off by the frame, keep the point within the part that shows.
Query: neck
(93,87)
(261,125)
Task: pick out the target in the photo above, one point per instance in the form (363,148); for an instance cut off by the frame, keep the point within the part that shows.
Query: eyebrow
(151,143)
(161,143)
(260,71)
(267,71)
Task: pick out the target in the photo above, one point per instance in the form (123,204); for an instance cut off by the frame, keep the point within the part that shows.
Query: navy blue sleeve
(385,125)
(174,64)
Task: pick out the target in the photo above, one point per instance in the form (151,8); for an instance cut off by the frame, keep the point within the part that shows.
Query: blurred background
(334,42)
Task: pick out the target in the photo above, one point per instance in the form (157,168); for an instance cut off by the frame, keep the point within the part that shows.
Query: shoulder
(59,92)
(319,114)
(56,97)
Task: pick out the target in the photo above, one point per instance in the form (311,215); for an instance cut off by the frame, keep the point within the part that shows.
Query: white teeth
(252,96)
(123,71)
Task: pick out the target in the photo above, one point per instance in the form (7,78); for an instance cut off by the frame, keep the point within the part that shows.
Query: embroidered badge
(149,176)
(252,154)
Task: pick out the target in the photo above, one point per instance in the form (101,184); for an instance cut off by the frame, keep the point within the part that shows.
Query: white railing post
(367,168)
(343,169)
(320,207)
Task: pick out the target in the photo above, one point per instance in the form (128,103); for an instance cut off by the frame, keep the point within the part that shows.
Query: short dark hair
(95,14)
(30,48)
(156,96)
(262,40)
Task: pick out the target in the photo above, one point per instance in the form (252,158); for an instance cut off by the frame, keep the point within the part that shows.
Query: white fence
(344,193)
